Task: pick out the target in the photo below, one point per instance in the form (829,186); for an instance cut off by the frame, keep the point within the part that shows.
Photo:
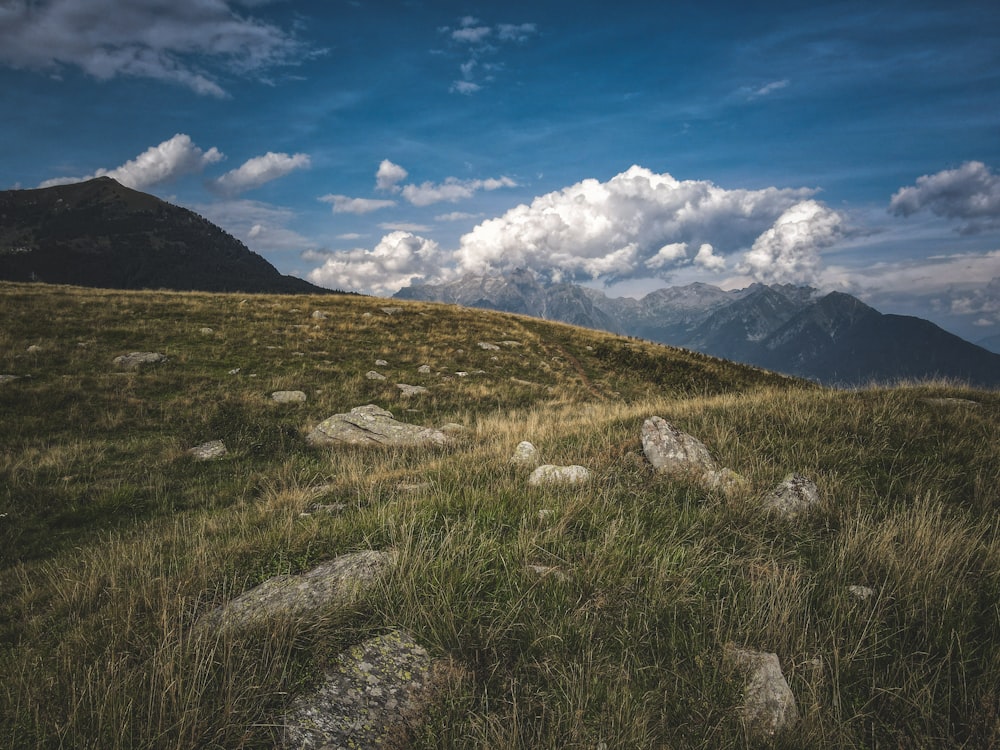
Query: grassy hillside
(114,540)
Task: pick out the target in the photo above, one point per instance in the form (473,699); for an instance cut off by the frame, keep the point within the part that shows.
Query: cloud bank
(397,261)
(169,160)
(637,224)
(168,42)
(970,193)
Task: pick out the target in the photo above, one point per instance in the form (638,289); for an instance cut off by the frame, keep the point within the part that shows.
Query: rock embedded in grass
(525,454)
(371,425)
(795,496)
(411,390)
(318,315)
(288,397)
(375,695)
(372,375)
(672,451)
(769,706)
(8,378)
(381,363)
(487,346)
(135,359)
(551,474)
(335,583)
(424,369)
(208,451)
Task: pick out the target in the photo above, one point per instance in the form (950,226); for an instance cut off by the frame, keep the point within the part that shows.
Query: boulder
(525,454)
(549,474)
(208,451)
(671,451)
(768,704)
(795,495)
(374,696)
(132,360)
(370,425)
(335,583)
(288,397)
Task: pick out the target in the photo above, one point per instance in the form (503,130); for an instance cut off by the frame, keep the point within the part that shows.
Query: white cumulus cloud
(398,260)
(167,161)
(451,190)
(788,252)
(257,171)
(970,193)
(166,41)
(636,222)
(707,259)
(389,175)
(343,204)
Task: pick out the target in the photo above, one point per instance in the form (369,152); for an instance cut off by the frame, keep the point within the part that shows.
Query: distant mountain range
(99,233)
(833,338)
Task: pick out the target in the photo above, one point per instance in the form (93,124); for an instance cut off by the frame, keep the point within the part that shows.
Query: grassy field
(114,541)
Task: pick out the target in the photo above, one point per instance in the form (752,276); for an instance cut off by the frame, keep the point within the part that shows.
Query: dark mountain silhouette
(99,233)
(835,339)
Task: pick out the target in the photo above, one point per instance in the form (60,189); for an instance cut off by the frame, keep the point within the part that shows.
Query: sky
(368,145)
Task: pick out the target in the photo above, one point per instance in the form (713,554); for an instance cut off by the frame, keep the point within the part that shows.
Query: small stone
(486,346)
(208,451)
(411,390)
(462,374)
(861,592)
(34,349)
(525,454)
(206,331)
(510,343)
(550,474)
(391,310)
(235,371)
(318,315)
(794,496)
(381,363)
(768,703)
(454,429)
(372,375)
(424,369)
(134,359)
(288,397)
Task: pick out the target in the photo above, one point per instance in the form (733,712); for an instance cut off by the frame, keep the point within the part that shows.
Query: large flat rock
(371,425)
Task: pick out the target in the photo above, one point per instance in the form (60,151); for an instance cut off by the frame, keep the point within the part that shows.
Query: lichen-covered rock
(726,480)
(208,451)
(549,474)
(334,583)
(768,703)
(371,425)
(795,495)
(288,397)
(672,451)
(134,359)
(525,454)
(374,696)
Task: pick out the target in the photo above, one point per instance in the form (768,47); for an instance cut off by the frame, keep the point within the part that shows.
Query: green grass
(115,541)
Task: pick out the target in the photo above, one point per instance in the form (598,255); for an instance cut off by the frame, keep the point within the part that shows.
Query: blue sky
(365,145)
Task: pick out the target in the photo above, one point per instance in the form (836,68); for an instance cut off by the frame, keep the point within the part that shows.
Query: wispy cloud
(343,204)
(477,41)
(451,190)
(767,89)
(158,164)
(172,42)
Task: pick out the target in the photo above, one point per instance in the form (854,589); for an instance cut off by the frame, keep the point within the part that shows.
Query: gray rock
(372,375)
(424,369)
(454,430)
(288,397)
(318,315)
(486,346)
(768,703)
(381,363)
(550,474)
(34,349)
(8,378)
(208,451)
(411,390)
(671,451)
(206,331)
(861,592)
(796,495)
(726,480)
(335,583)
(525,454)
(235,371)
(374,696)
(134,359)
(370,425)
